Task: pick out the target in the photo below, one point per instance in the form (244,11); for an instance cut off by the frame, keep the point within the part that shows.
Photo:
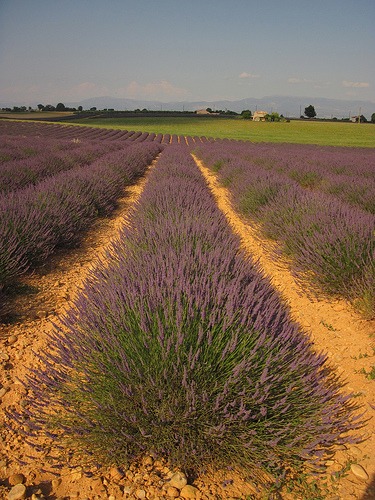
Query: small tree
(246,114)
(363,119)
(310,111)
(60,107)
(273,117)
(40,107)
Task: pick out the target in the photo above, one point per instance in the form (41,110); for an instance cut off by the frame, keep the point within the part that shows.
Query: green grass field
(307,132)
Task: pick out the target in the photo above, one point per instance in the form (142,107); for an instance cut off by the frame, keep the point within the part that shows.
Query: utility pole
(359,115)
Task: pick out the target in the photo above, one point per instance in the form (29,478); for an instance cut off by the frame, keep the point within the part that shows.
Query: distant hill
(286,105)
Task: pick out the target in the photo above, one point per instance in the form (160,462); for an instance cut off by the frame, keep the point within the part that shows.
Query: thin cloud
(355,84)
(88,88)
(158,90)
(322,85)
(248,75)
(299,80)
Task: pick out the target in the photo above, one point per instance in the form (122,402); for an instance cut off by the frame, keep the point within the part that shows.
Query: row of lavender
(36,219)
(80,133)
(28,160)
(179,347)
(327,235)
(347,173)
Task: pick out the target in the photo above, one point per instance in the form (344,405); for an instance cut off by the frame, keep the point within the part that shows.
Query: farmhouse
(206,112)
(258,116)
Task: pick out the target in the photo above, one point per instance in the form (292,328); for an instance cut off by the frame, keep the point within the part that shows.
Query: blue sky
(68,50)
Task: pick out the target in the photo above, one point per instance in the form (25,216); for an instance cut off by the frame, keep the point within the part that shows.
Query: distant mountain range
(286,105)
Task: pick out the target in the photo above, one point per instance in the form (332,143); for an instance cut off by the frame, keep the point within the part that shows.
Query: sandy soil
(47,293)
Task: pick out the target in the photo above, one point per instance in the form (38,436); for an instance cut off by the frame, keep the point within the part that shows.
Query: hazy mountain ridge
(286,105)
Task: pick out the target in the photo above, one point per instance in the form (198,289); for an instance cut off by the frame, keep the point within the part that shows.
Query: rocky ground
(41,297)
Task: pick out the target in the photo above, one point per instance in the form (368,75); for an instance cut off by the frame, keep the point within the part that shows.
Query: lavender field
(50,190)
(177,345)
(314,204)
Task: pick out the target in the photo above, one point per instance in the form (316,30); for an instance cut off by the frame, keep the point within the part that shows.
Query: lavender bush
(178,346)
(38,158)
(347,173)
(35,220)
(329,244)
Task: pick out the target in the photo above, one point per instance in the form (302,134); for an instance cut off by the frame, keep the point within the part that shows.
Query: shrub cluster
(34,220)
(25,161)
(177,345)
(329,243)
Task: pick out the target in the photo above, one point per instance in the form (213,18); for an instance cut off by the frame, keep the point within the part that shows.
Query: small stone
(148,461)
(355,450)
(12,339)
(338,308)
(41,314)
(75,476)
(4,356)
(3,463)
(116,474)
(178,480)
(55,483)
(18,492)
(140,494)
(3,391)
(16,479)
(172,492)
(359,471)
(111,497)
(330,462)
(129,474)
(189,491)
(127,490)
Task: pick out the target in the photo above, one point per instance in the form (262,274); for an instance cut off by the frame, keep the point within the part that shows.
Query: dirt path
(48,292)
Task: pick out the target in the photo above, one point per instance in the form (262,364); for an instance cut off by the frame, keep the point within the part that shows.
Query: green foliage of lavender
(177,345)
(329,240)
